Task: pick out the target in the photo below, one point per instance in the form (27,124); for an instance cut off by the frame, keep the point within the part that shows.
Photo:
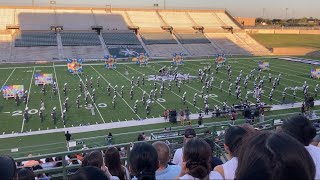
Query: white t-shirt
(315,154)
(229,168)
(177,158)
(214,175)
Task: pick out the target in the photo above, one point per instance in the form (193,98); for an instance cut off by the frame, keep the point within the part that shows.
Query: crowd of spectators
(290,152)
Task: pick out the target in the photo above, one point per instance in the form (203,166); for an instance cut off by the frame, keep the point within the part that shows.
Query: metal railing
(211,130)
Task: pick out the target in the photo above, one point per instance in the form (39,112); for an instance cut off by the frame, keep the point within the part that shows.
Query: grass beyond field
(11,114)
(288,40)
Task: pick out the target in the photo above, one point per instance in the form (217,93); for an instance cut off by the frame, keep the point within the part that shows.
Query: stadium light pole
(287,13)
(164,4)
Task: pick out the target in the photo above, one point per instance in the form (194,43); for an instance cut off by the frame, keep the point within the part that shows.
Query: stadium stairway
(60,46)
(103,44)
(143,44)
(179,43)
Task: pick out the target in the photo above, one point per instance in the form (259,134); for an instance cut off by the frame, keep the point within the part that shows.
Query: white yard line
(55,74)
(139,88)
(23,120)
(113,89)
(8,78)
(92,101)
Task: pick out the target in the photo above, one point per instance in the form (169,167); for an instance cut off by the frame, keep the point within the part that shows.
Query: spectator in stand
(140,137)
(233,139)
(303,130)
(214,160)
(31,162)
(40,176)
(94,158)
(112,161)
(197,160)
(110,138)
(189,133)
(8,168)
(316,141)
(143,161)
(89,173)
(165,171)
(274,156)
(49,163)
(25,174)
(74,161)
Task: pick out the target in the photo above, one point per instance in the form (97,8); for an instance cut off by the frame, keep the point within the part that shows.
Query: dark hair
(143,161)
(37,167)
(233,138)
(112,161)
(89,173)
(25,174)
(197,155)
(300,128)
(274,156)
(8,168)
(94,158)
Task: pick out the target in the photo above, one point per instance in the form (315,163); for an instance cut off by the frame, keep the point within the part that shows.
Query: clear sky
(245,8)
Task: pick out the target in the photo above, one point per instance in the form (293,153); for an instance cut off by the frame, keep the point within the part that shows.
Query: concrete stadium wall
(294,51)
(281,31)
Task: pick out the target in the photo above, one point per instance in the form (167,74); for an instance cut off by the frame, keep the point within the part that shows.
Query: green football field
(293,74)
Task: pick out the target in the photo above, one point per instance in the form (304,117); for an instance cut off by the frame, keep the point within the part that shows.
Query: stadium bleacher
(192,38)
(178,20)
(35,19)
(165,50)
(35,38)
(120,38)
(226,20)
(5,46)
(80,39)
(145,20)
(74,19)
(83,52)
(35,25)
(109,21)
(42,53)
(150,38)
(206,19)
(200,49)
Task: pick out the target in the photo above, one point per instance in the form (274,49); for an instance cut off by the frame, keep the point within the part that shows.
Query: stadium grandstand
(160,33)
(151,94)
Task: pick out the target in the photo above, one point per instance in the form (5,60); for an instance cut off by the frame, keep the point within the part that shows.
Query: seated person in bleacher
(165,171)
(7,168)
(189,134)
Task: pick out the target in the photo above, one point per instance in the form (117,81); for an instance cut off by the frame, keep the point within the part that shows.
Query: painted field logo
(170,77)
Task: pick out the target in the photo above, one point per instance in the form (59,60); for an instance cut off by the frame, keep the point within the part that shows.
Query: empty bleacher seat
(165,50)
(192,38)
(80,39)
(110,21)
(145,19)
(157,38)
(31,39)
(83,52)
(120,38)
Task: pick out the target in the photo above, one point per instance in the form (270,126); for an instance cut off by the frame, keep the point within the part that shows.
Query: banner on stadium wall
(177,59)
(221,58)
(75,66)
(11,91)
(43,78)
(110,62)
(264,65)
(315,73)
(141,59)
